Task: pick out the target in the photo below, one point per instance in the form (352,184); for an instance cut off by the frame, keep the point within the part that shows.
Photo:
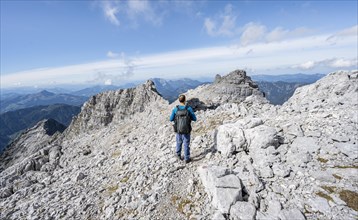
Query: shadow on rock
(198,105)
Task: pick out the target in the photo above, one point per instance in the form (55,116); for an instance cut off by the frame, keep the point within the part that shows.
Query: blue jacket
(181,107)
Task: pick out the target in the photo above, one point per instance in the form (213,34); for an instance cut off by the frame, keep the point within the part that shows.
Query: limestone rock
(242,210)
(233,87)
(224,188)
(230,139)
(293,161)
(291,214)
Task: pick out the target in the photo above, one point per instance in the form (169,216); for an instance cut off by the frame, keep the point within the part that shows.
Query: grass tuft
(125,179)
(325,196)
(350,198)
(337,176)
(112,189)
(322,160)
(347,167)
(330,189)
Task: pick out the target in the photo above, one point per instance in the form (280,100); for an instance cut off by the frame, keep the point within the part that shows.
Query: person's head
(182,98)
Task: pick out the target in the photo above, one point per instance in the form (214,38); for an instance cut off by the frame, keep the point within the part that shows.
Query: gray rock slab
(305,144)
(348,149)
(319,204)
(224,198)
(230,138)
(265,216)
(261,136)
(224,188)
(243,211)
(229,181)
(291,214)
(281,170)
(218,216)
(323,176)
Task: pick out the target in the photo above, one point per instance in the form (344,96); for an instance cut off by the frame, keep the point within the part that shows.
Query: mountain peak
(234,77)
(150,85)
(101,109)
(233,87)
(46,93)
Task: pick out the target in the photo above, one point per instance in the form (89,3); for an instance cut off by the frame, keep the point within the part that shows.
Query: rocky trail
(251,160)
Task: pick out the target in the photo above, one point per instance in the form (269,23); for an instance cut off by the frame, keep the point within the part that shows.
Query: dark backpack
(182,122)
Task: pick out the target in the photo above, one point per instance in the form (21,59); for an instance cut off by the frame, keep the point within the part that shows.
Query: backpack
(182,122)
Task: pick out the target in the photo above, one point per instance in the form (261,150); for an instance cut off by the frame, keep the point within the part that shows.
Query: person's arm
(172,116)
(192,114)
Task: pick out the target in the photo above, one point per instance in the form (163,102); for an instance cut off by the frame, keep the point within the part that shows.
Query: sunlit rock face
(250,159)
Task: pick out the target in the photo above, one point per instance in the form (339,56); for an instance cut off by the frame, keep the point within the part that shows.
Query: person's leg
(186,140)
(179,144)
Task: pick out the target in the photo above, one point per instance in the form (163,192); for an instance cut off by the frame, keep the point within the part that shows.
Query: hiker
(182,115)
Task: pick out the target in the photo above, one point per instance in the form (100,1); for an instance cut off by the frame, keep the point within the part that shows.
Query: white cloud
(143,10)
(309,53)
(276,34)
(138,6)
(335,63)
(343,63)
(210,26)
(111,9)
(111,54)
(222,24)
(108,82)
(352,31)
(131,12)
(306,65)
(252,33)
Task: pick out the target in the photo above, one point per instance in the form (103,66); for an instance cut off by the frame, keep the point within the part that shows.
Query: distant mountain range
(16,121)
(170,89)
(279,88)
(278,92)
(42,98)
(291,78)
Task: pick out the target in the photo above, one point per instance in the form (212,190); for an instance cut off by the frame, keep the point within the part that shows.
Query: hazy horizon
(76,87)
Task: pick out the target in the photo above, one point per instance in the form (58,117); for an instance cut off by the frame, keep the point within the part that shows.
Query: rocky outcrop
(298,153)
(251,160)
(30,142)
(115,106)
(232,88)
(29,159)
(224,188)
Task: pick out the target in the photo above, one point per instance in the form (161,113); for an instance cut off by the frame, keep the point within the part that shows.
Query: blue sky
(115,42)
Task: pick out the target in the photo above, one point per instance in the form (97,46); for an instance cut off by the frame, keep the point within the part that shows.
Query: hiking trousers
(183,138)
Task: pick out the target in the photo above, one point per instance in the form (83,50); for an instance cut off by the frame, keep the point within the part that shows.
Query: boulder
(261,136)
(223,188)
(243,211)
(230,138)
(289,214)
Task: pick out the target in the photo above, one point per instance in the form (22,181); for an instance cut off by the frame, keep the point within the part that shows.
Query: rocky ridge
(251,160)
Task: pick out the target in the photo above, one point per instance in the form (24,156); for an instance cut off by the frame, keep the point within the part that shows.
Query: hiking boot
(179,157)
(188,161)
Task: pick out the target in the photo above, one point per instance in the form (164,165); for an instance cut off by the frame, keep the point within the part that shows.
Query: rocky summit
(250,159)
(232,88)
